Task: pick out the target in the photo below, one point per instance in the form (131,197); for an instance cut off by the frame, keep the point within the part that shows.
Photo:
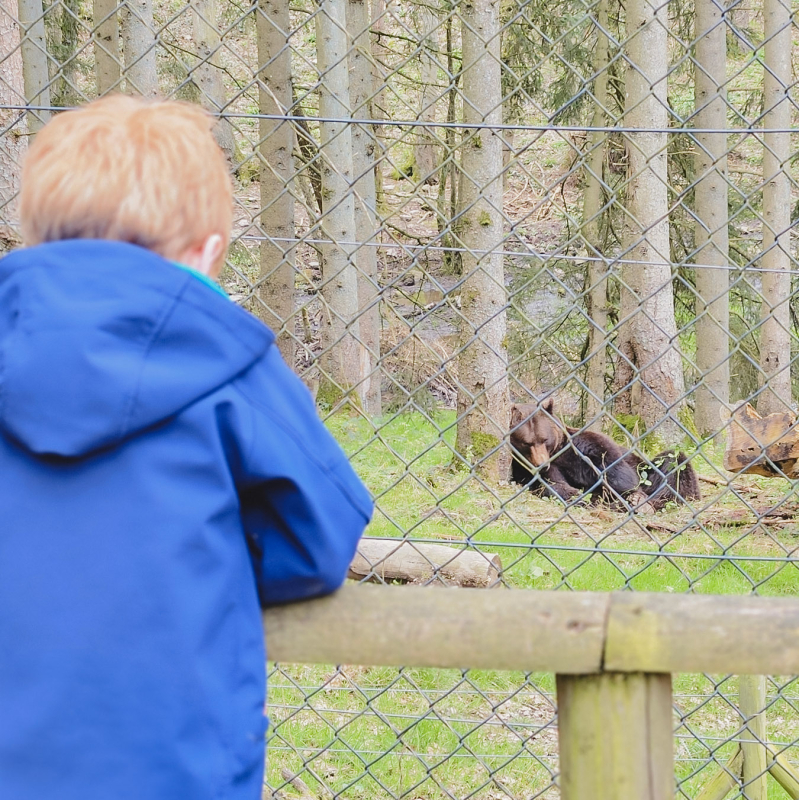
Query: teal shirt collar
(204,278)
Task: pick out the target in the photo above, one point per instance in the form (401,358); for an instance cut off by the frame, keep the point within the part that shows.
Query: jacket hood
(100,340)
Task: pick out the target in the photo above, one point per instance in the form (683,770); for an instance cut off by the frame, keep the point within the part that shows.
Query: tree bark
(276,283)
(424,148)
(61,35)
(712,243)
(207,75)
(36,74)
(107,59)
(364,147)
(597,270)
(449,171)
(68,93)
(482,363)
(13,142)
(138,37)
(649,379)
(345,361)
(775,331)
(377,103)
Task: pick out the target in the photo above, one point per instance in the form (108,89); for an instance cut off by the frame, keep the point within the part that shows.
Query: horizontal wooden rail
(570,633)
(442,627)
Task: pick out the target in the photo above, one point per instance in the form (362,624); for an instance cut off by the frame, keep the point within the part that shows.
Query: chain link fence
(445,207)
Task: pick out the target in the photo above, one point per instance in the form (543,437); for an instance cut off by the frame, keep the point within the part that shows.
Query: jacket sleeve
(302,505)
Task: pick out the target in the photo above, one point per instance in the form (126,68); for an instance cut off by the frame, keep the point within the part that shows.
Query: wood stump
(767,446)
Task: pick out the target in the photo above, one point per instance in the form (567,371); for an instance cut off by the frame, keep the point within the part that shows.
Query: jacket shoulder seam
(281,421)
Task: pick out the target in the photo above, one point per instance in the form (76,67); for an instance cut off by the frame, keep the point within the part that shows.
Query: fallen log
(412,562)
(767,446)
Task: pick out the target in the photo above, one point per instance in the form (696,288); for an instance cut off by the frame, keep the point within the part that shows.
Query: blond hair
(133,170)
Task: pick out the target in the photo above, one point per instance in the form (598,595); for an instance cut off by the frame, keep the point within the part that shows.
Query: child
(163,471)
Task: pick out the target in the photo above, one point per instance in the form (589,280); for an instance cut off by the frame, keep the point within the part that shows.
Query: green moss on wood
(686,418)
(329,393)
(482,444)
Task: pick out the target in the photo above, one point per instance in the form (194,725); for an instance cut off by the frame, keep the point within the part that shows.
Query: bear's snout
(539,455)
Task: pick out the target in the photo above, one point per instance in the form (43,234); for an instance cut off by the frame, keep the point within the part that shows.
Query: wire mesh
(447,206)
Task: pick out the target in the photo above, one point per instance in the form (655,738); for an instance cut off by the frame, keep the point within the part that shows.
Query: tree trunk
(712,246)
(449,173)
(70,94)
(106,46)
(207,75)
(424,149)
(36,74)
(13,142)
(276,287)
(138,38)
(345,361)
(62,33)
(482,364)
(592,216)
(364,147)
(377,103)
(775,335)
(649,379)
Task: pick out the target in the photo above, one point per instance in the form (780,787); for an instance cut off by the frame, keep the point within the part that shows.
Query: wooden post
(616,736)
(752,701)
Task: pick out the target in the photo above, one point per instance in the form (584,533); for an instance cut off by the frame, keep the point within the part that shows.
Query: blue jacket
(161,471)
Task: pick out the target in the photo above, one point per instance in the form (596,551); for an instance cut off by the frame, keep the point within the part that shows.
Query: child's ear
(206,257)
(213,248)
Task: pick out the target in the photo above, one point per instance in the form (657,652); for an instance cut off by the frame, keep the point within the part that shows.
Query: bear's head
(535,432)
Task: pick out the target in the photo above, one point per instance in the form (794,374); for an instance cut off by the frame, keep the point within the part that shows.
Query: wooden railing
(613,655)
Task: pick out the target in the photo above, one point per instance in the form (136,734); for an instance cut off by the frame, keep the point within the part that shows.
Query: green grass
(428,734)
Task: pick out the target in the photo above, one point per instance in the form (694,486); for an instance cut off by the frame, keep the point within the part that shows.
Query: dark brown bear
(666,477)
(573,464)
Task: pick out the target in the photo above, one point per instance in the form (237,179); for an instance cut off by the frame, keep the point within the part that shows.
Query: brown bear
(666,477)
(555,460)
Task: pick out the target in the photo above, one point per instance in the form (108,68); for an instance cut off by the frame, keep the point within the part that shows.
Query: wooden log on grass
(412,562)
(767,446)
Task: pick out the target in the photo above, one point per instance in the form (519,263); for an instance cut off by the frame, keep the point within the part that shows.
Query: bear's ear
(549,407)
(515,416)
